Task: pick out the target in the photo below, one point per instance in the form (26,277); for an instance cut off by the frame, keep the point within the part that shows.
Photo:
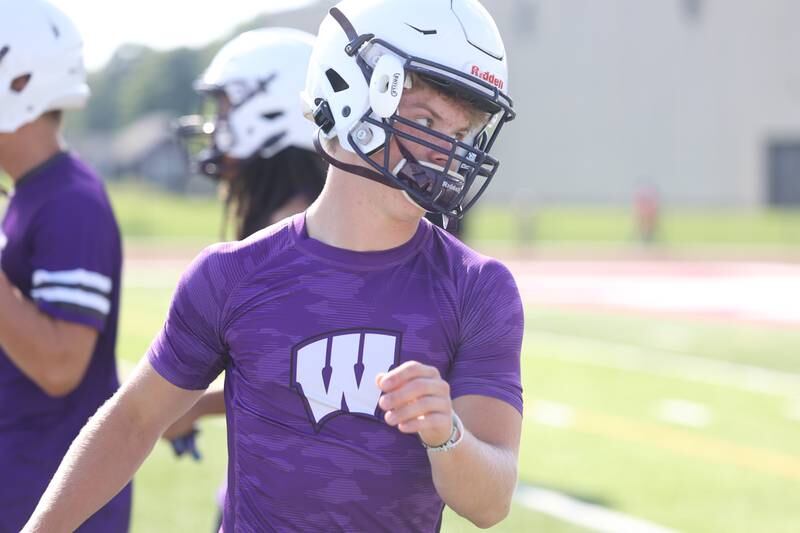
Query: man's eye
(424,122)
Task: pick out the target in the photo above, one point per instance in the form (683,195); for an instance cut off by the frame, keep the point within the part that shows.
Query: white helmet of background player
(41,63)
(261,73)
(365,53)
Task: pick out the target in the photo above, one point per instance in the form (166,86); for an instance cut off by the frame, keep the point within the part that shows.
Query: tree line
(138,80)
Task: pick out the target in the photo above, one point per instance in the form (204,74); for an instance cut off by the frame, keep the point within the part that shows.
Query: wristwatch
(456,435)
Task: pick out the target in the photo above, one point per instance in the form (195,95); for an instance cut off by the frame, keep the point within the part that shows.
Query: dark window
(784,173)
(693,9)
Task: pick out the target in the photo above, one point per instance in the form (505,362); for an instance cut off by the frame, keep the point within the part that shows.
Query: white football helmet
(360,66)
(262,73)
(41,63)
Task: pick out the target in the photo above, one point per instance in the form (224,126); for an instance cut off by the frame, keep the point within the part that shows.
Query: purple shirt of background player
(302,330)
(61,249)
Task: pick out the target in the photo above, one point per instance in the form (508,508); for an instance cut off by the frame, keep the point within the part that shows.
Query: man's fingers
(425,406)
(404,373)
(412,390)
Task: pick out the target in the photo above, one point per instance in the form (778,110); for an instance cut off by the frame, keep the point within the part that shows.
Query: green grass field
(146,215)
(740,473)
(614,226)
(595,388)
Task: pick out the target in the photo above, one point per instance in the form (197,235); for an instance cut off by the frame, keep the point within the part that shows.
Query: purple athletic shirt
(61,248)
(302,329)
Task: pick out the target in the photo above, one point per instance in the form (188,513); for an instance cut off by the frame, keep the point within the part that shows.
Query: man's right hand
(183,426)
(186,444)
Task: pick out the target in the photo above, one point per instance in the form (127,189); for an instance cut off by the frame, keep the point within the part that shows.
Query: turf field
(170,218)
(607,421)
(666,419)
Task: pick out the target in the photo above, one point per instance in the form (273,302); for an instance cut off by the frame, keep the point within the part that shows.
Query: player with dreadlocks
(252,136)
(254,141)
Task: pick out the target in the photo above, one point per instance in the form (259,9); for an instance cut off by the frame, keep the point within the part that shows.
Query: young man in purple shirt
(60,258)
(372,361)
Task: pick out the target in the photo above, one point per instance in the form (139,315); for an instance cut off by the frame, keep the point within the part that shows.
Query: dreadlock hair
(263,186)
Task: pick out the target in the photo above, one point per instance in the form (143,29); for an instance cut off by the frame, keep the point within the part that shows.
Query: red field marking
(767,293)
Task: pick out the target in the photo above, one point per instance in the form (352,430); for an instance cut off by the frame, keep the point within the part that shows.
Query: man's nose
(442,155)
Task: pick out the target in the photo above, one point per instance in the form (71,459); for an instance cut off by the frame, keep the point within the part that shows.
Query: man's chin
(415,209)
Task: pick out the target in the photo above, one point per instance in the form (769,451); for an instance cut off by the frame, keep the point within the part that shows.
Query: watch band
(456,436)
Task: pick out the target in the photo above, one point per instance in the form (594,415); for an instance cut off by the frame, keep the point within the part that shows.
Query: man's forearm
(39,345)
(100,462)
(475,479)
(23,330)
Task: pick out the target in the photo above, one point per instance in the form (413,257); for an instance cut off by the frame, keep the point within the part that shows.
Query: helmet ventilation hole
(336,81)
(19,83)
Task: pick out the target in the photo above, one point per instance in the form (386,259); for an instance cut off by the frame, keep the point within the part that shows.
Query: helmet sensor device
(386,85)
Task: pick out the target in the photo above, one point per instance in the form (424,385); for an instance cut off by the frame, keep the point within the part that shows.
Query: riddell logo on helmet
(487,76)
(395,84)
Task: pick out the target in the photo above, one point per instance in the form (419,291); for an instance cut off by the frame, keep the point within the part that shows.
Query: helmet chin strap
(352,169)
(409,169)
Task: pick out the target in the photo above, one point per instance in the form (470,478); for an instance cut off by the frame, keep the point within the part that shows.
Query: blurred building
(148,148)
(698,98)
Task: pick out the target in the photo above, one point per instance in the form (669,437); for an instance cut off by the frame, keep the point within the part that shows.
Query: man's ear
(55,116)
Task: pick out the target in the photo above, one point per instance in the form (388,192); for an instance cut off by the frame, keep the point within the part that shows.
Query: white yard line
(590,516)
(684,413)
(552,414)
(674,365)
(793,409)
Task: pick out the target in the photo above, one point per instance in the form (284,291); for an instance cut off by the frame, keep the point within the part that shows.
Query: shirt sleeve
(190,351)
(487,362)
(76,259)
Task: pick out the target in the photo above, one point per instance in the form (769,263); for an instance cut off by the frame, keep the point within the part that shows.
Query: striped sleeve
(76,260)
(77,291)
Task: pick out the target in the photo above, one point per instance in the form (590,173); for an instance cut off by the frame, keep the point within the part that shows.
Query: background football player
(61,258)
(256,141)
(252,135)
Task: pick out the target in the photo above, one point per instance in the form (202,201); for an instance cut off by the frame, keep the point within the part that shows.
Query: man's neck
(351,213)
(26,149)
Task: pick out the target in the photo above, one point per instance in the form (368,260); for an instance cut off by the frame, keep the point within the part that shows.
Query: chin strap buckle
(355,45)
(323,116)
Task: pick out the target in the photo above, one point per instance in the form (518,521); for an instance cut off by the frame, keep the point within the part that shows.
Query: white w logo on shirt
(335,374)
